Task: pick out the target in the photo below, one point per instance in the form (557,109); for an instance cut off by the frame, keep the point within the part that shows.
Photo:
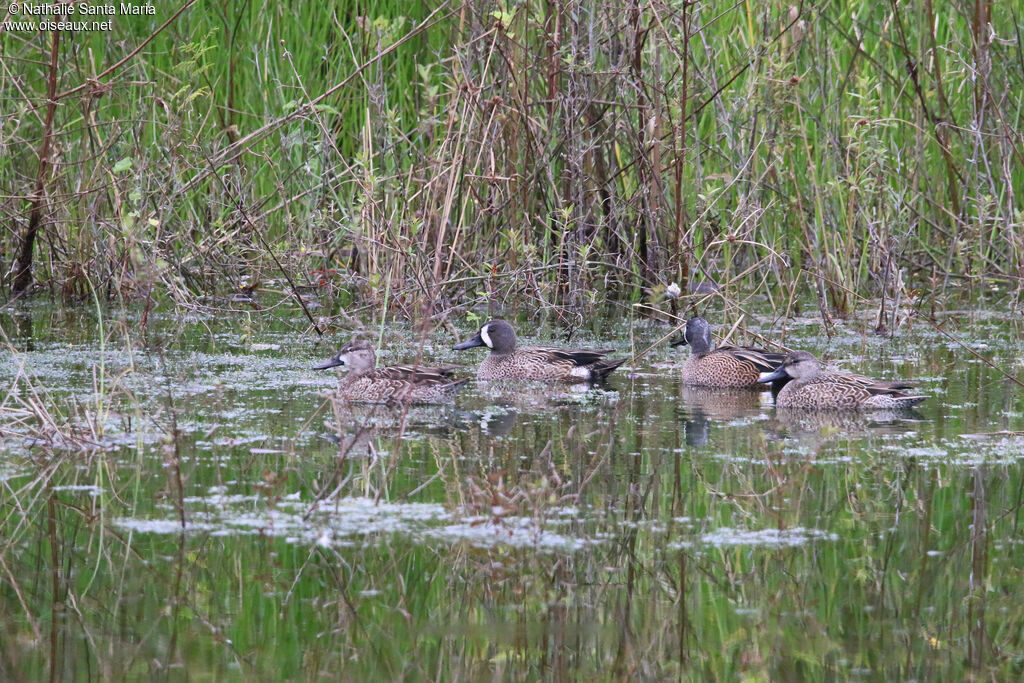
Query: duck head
(497,335)
(697,334)
(356,355)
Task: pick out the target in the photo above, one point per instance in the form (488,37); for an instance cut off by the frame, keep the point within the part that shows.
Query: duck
(811,387)
(726,367)
(366,383)
(506,361)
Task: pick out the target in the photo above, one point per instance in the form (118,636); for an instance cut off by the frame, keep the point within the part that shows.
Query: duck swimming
(812,387)
(543,363)
(366,383)
(729,367)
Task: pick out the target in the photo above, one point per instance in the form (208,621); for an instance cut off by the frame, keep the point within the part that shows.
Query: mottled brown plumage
(363,383)
(541,363)
(730,367)
(811,387)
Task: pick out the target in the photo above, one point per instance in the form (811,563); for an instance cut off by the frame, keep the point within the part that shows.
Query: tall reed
(549,154)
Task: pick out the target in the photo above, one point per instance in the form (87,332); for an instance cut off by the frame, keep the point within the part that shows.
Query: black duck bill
(478,340)
(332,363)
(778,374)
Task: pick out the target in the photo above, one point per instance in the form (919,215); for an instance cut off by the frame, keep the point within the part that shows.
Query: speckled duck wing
(587,365)
(415,374)
(763,361)
(574,356)
(875,385)
(871,386)
(894,391)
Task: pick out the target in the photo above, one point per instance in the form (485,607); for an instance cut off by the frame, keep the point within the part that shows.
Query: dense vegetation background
(420,156)
(414,160)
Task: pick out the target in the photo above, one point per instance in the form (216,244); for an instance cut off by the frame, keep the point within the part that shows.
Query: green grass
(526,152)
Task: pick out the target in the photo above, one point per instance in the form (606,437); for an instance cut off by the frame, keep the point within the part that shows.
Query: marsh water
(182,501)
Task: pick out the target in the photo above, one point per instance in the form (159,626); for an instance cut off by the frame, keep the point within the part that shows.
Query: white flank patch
(486,337)
(580,371)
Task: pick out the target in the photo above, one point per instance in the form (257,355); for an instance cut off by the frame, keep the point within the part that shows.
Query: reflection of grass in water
(918,542)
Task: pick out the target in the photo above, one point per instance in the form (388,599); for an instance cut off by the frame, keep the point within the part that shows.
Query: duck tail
(603,368)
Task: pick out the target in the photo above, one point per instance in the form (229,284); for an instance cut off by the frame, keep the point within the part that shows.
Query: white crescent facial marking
(486,337)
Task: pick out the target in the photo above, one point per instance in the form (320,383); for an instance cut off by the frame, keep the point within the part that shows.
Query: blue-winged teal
(731,367)
(392,384)
(543,363)
(813,388)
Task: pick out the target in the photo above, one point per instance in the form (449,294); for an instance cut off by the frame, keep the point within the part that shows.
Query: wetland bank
(201,204)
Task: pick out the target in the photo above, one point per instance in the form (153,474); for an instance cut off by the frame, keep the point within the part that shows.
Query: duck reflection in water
(702,406)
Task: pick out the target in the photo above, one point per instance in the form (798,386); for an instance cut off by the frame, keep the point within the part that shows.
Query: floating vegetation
(219,483)
(349,520)
(767,538)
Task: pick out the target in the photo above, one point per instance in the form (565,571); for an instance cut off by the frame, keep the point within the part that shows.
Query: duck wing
(765,361)
(889,388)
(877,386)
(575,356)
(416,374)
(872,386)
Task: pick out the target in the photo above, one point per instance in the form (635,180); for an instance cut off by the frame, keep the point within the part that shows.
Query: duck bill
(678,342)
(470,343)
(777,374)
(332,363)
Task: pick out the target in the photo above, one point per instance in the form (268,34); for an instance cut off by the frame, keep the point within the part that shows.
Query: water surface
(184,499)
